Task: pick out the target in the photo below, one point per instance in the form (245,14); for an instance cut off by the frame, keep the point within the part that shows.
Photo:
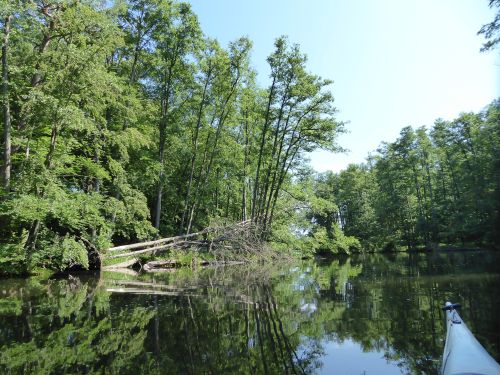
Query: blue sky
(393,62)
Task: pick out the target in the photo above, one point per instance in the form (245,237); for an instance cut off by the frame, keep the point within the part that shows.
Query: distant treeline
(122,122)
(429,187)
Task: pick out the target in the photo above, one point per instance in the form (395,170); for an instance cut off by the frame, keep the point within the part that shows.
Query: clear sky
(394,62)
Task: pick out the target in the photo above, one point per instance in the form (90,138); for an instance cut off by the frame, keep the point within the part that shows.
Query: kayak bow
(463,354)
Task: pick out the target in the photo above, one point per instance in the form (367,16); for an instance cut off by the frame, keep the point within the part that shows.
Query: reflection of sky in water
(347,357)
(308,307)
(304,280)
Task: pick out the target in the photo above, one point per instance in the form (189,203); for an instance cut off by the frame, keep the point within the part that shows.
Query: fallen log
(160,241)
(163,270)
(124,264)
(160,264)
(151,249)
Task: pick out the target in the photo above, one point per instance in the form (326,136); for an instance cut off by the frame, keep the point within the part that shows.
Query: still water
(371,314)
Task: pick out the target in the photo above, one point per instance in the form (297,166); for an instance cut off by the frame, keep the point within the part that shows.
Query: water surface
(370,314)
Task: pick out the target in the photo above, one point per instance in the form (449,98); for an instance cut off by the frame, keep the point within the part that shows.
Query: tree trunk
(53,140)
(161,150)
(263,198)
(434,231)
(244,176)
(195,150)
(30,245)
(221,120)
(198,181)
(284,170)
(6,106)
(276,166)
(37,77)
(159,192)
(261,149)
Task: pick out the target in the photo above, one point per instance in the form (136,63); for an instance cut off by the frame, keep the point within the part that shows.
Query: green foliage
(491,31)
(73,253)
(12,259)
(127,123)
(428,187)
(334,241)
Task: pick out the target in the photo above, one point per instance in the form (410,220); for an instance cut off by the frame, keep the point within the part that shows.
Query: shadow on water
(347,315)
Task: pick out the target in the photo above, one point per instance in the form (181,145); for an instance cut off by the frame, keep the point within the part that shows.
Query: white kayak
(463,354)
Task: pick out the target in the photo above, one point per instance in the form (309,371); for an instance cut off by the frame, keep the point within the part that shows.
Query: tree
(7,17)
(299,117)
(177,39)
(491,31)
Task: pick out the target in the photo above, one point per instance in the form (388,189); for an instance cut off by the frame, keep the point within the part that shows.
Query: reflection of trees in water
(241,319)
(215,326)
(397,300)
(65,326)
(239,326)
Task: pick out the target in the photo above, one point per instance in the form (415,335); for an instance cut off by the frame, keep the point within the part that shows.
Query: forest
(124,122)
(431,187)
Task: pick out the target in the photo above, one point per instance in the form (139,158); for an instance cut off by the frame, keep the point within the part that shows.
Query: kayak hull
(463,354)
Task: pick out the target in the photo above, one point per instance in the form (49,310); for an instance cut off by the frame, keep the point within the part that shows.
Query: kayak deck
(463,354)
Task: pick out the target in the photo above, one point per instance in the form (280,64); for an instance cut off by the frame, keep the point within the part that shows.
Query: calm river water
(370,314)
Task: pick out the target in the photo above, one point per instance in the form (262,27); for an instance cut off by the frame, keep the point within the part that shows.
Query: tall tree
(177,39)
(6,101)
(299,117)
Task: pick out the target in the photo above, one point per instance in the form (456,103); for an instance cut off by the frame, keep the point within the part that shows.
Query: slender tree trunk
(195,150)
(96,183)
(276,186)
(161,148)
(227,202)
(284,170)
(198,182)
(263,199)
(137,51)
(276,167)
(453,177)
(36,79)
(29,247)
(6,106)
(443,182)
(52,148)
(261,149)
(159,192)
(244,176)
(419,200)
(221,120)
(431,200)
(217,191)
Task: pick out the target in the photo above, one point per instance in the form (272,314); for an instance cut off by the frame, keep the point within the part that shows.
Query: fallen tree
(226,243)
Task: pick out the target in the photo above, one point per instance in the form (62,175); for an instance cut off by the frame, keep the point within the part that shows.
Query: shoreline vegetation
(124,123)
